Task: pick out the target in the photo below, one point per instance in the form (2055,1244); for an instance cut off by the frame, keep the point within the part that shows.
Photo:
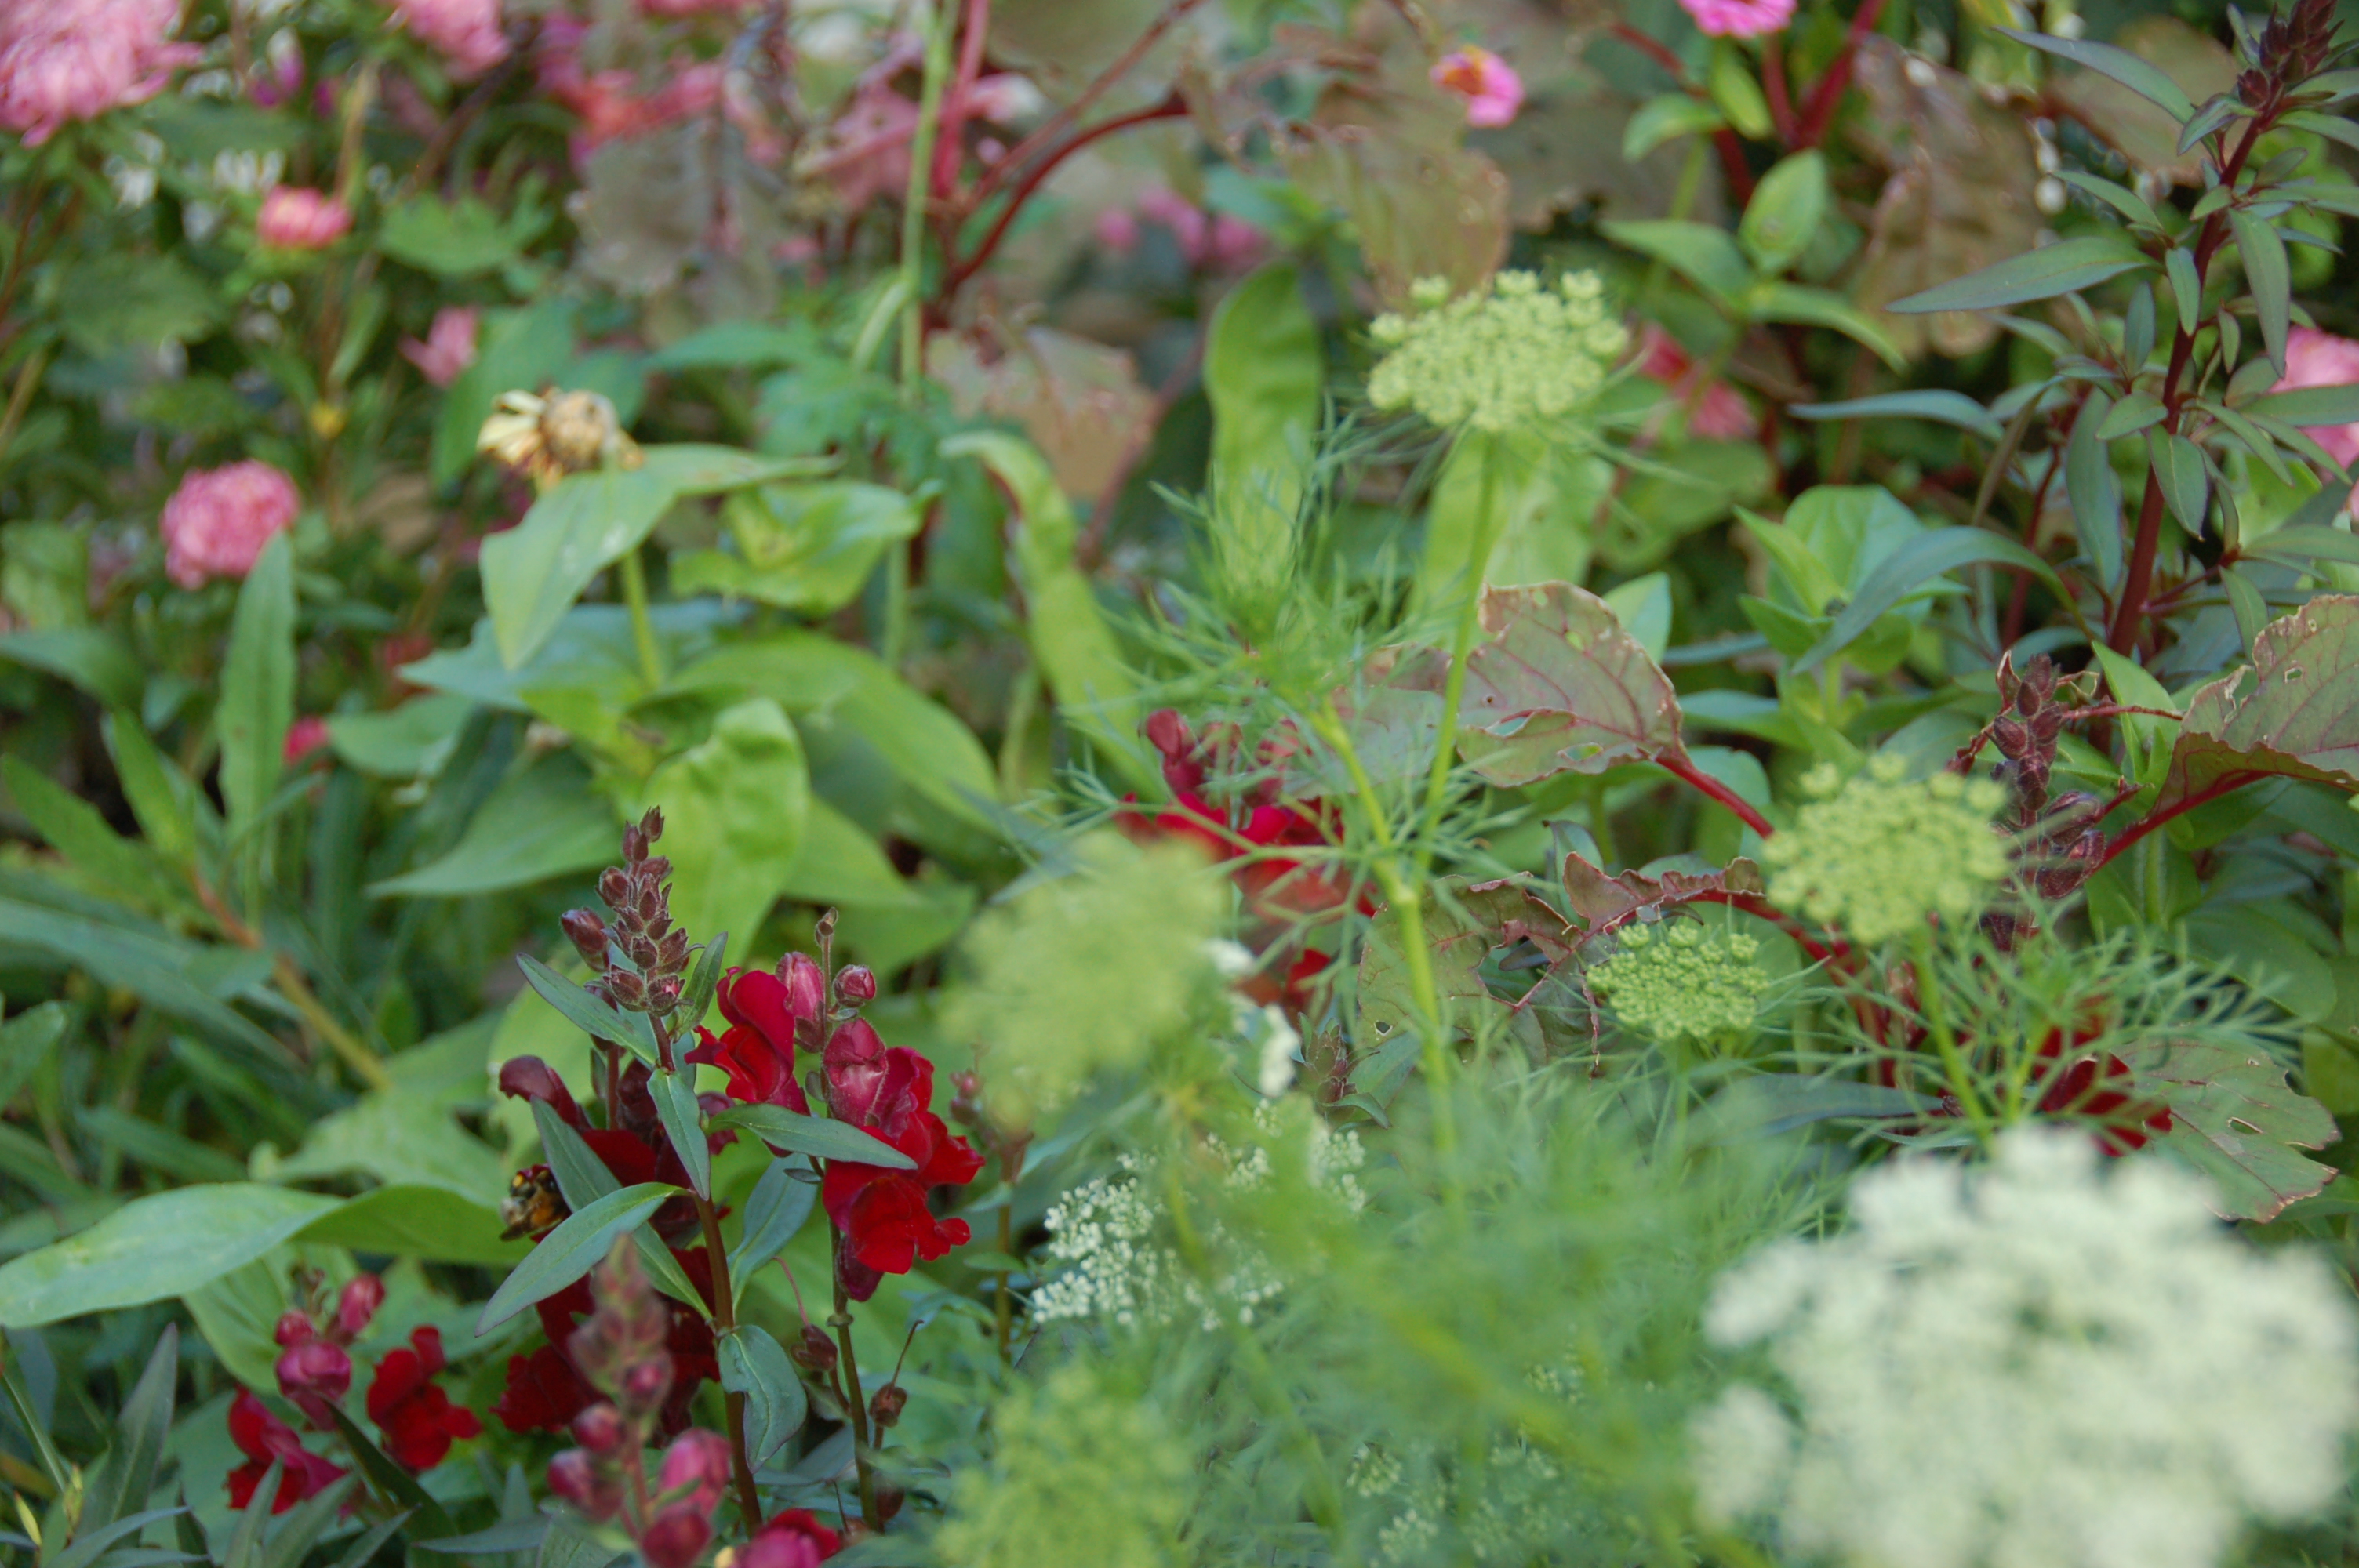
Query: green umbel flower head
(1877,855)
(1683,982)
(1514,354)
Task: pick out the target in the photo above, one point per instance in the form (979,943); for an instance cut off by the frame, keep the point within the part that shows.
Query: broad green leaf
(1703,254)
(1071,640)
(1941,407)
(2186,483)
(76,830)
(2295,713)
(543,823)
(733,811)
(2311,406)
(822,1137)
(837,864)
(405,742)
(2094,493)
(26,1042)
(590,656)
(776,1210)
(1643,605)
(2043,274)
(2266,274)
(586,1012)
(1823,308)
(258,696)
(1768,1104)
(1785,210)
(1263,369)
(1457,940)
(149,967)
(454,239)
(683,1123)
(153,1248)
(2150,739)
(1557,686)
(573,1249)
(2236,1120)
(534,572)
(113,300)
(2148,81)
(752,1365)
(1906,570)
(807,547)
(1664,118)
(583,1179)
(432,1224)
(92,659)
(1728,78)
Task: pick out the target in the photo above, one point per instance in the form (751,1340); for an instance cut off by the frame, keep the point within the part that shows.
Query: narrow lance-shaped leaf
(776,1209)
(2094,491)
(2266,274)
(1941,407)
(752,1364)
(821,1137)
(2146,81)
(2043,274)
(1923,558)
(583,1178)
(586,1012)
(683,1123)
(2309,406)
(573,1249)
(2295,713)
(257,690)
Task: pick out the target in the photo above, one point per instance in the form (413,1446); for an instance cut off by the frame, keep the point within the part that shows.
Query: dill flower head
(2032,1364)
(1514,354)
(1083,1473)
(1878,854)
(1679,982)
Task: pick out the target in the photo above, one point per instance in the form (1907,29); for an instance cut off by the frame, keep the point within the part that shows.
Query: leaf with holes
(2235,1118)
(2295,713)
(1457,937)
(1561,686)
(1600,901)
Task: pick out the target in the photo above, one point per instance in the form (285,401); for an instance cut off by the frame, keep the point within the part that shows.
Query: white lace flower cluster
(2030,1365)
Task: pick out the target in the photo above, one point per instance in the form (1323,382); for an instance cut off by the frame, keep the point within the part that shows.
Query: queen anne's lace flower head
(1680,983)
(2032,1366)
(1511,355)
(1879,854)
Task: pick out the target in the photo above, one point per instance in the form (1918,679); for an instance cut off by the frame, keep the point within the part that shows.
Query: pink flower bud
(675,1537)
(305,736)
(315,1376)
(216,524)
(696,1461)
(294,1329)
(599,1428)
(449,347)
(856,986)
(580,1480)
(645,1385)
(805,986)
(357,1305)
(1740,19)
(295,218)
(795,1538)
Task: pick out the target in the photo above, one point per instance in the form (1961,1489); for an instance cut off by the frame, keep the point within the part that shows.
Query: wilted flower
(2319,359)
(1882,853)
(1680,983)
(296,219)
(2029,1364)
(1507,355)
(561,433)
(1740,19)
(449,348)
(1493,91)
(217,522)
(75,59)
(465,32)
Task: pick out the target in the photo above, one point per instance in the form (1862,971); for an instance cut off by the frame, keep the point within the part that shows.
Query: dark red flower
(794,1539)
(314,1376)
(416,1417)
(544,1393)
(530,1078)
(883,1213)
(675,1537)
(261,1438)
(870,1085)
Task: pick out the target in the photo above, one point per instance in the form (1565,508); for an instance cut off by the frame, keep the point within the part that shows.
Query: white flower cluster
(2031,1366)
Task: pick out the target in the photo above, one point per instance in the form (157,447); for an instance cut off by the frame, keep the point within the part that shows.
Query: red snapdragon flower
(261,1438)
(416,1418)
(794,1539)
(768,1014)
(882,1213)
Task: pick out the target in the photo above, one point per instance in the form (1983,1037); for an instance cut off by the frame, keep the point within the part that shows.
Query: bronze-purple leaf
(1559,686)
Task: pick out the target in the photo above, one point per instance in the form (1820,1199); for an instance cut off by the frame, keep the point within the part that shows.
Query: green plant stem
(916,200)
(1461,643)
(643,626)
(1945,1041)
(725,1319)
(856,1406)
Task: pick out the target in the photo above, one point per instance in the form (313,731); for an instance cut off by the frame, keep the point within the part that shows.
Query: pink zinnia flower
(465,32)
(1492,88)
(2321,358)
(75,59)
(449,348)
(1740,19)
(218,521)
(296,219)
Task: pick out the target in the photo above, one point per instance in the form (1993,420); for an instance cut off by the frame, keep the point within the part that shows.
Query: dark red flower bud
(655,869)
(651,826)
(698,1463)
(315,1376)
(583,1482)
(599,1428)
(641,950)
(805,986)
(294,1329)
(587,932)
(675,1537)
(663,993)
(645,1385)
(814,1352)
(529,1077)
(884,1409)
(613,887)
(628,991)
(856,985)
(2010,738)
(794,1539)
(673,953)
(357,1304)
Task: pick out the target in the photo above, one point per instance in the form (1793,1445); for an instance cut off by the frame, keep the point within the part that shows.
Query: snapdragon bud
(856,986)
(675,1537)
(588,1486)
(814,1352)
(357,1306)
(884,1409)
(599,1428)
(587,932)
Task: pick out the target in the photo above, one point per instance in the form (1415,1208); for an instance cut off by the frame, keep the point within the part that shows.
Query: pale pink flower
(1117,229)
(688,7)
(217,522)
(1740,19)
(75,59)
(305,736)
(1215,242)
(2321,358)
(296,219)
(1715,410)
(449,348)
(465,32)
(1492,88)
(871,156)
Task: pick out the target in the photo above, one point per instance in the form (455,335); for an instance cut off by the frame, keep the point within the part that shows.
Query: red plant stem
(1687,772)
(1171,107)
(1065,118)
(1732,166)
(2146,824)
(1623,32)
(948,143)
(1773,83)
(1826,96)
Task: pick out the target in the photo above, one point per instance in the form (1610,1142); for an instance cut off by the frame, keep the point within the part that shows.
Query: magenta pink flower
(1216,242)
(449,348)
(217,522)
(305,736)
(1740,19)
(75,59)
(1492,88)
(2319,359)
(1715,410)
(465,32)
(688,7)
(296,219)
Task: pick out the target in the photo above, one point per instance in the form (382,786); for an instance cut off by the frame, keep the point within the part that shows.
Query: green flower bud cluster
(1509,356)
(1877,855)
(1683,982)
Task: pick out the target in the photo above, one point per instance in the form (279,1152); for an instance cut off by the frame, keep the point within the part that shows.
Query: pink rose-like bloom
(296,219)
(2319,359)
(218,521)
(75,59)
(465,32)
(1492,88)
(1740,19)
(449,348)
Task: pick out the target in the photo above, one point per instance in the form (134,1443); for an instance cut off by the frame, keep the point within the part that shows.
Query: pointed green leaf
(2186,481)
(2266,274)
(2094,493)
(2146,81)
(683,1123)
(1907,569)
(153,1248)
(2310,406)
(752,1364)
(123,1479)
(821,1137)
(1941,407)
(257,695)
(586,1012)
(780,1205)
(573,1249)
(2043,274)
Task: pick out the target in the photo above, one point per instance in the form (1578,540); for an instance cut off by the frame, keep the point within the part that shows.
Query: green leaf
(586,1012)
(1457,940)
(1930,555)
(149,967)
(2186,483)
(153,1248)
(257,697)
(2043,274)
(534,572)
(2266,274)
(583,1179)
(405,742)
(2094,493)
(774,1213)
(2149,737)
(822,1137)
(840,865)
(2146,81)
(1703,254)
(2245,602)
(26,1042)
(2295,713)
(543,823)
(2120,197)
(2134,412)
(573,1249)
(87,1546)
(2306,543)
(808,547)
(1557,687)
(121,1483)
(455,239)
(76,830)
(2311,406)
(92,659)
(115,300)
(703,981)
(1666,118)
(1768,1104)
(752,1365)
(1785,210)
(388,1478)
(161,797)
(430,1223)
(2236,1120)
(2185,290)
(683,1123)
(1941,407)
(734,809)
(1263,370)
(1823,308)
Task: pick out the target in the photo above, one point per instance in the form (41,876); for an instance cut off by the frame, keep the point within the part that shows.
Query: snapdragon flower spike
(264,1438)
(416,1418)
